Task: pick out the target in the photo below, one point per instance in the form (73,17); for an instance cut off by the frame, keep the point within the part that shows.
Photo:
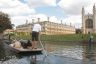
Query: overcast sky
(67,10)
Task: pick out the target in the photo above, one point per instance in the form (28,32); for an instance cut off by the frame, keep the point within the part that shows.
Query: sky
(69,11)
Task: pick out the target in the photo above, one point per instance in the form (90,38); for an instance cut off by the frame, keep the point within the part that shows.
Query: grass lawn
(66,37)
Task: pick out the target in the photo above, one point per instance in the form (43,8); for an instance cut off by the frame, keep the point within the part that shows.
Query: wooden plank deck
(22,51)
(27,51)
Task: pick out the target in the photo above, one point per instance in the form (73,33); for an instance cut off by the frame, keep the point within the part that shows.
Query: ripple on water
(16,61)
(73,52)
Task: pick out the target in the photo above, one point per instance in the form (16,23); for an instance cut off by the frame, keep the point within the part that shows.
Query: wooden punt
(27,51)
(23,51)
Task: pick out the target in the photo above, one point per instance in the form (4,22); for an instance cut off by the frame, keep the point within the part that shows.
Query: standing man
(35,34)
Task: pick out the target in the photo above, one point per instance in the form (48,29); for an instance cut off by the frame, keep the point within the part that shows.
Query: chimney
(38,19)
(32,21)
(70,24)
(26,21)
(61,22)
(48,19)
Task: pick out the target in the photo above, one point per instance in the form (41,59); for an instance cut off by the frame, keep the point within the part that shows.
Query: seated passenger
(25,43)
(16,44)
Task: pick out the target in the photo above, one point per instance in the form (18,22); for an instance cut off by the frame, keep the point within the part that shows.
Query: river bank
(56,38)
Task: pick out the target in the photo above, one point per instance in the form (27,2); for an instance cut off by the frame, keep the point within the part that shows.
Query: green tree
(5,22)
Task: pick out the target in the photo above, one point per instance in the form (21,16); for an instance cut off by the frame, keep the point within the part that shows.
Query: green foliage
(5,22)
(22,35)
(57,38)
(66,37)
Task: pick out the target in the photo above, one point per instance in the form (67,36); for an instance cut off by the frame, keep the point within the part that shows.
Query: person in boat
(21,43)
(16,44)
(25,43)
(35,34)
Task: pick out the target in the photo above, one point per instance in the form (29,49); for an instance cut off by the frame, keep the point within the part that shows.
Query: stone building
(8,31)
(48,28)
(89,21)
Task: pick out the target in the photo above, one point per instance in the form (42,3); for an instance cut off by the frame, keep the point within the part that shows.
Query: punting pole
(45,52)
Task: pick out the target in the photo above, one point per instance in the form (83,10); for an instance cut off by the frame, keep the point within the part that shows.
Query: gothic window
(89,23)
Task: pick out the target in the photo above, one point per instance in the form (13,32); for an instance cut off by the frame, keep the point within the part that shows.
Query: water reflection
(89,54)
(58,53)
(66,50)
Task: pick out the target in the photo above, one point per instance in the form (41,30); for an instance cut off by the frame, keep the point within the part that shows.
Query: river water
(57,53)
